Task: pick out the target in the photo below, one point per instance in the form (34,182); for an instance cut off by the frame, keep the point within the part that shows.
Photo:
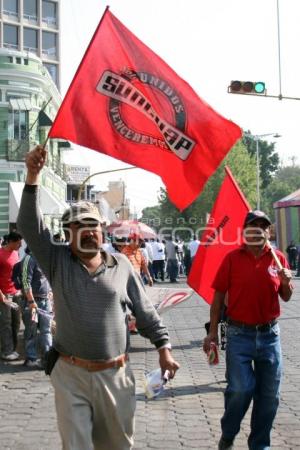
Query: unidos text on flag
(121,90)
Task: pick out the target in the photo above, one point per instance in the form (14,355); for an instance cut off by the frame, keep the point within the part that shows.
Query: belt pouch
(51,357)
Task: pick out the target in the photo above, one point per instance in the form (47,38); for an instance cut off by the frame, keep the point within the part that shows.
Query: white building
(33,26)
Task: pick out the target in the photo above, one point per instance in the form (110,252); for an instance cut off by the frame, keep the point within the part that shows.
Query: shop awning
(49,204)
(20,104)
(292,199)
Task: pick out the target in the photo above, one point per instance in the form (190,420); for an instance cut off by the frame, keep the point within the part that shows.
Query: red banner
(222,234)
(126,102)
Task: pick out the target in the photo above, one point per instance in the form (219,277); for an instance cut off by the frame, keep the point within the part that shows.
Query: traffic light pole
(257,175)
(279,54)
(280,97)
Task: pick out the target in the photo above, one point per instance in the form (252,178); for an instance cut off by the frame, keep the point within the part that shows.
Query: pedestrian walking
(93,382)
(133,252)
(172,260)
(159,257)
(193,247)
(36,312)
(253,283)
(292,252)
(179,245)
(148,247)
(187,258)
(138,259)
(9,317)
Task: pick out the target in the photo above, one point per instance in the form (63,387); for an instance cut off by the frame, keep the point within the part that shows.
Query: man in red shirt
(9,317)
(253,283)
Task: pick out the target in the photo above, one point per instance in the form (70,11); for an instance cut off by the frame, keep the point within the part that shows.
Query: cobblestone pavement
(185,416)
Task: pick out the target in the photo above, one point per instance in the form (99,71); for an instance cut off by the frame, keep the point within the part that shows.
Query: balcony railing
(56,165)
(31,49)
(50,53)
(30,18)
(50,22)
(11,14)
(17,149)
(9,45)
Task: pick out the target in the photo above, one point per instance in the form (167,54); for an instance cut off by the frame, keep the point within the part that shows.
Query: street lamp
(256,138)
(82,186)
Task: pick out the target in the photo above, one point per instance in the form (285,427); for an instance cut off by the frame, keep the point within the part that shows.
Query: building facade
(32,26)
(115,197)
(29,101)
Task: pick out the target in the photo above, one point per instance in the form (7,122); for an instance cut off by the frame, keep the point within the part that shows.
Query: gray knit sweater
(90,310)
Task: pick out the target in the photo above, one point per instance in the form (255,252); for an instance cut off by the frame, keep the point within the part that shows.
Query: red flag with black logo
(126,102)
(222,234)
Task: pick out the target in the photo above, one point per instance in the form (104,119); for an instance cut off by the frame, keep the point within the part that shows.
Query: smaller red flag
(221,235)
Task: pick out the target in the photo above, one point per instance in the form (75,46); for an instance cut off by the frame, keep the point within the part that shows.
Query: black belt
(248,326)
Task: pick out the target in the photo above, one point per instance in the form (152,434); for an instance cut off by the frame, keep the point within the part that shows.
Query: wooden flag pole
(46,140)
(276,259)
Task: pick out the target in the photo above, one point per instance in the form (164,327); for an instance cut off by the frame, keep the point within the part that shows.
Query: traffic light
(247,87)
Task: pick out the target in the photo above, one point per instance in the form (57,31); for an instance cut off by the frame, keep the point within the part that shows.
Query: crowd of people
(155,259)
(97,286)
(30,299)
(24,293)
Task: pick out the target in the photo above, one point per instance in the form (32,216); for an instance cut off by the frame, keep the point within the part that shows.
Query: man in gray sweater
(94,385)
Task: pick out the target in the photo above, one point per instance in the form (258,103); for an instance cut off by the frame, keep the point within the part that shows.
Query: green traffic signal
(259,87)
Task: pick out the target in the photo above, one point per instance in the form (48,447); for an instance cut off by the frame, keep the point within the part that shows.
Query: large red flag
(126,102)
(221,235)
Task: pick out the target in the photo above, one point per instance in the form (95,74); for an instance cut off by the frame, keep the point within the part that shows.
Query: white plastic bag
(154,382)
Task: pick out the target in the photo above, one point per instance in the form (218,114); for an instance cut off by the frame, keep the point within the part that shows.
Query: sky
(208,43)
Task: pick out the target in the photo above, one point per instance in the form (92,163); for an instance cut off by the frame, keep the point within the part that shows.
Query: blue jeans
(32,339)
(253,369)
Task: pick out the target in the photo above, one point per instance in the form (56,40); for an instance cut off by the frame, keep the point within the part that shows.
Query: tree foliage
(284,182)
(165,216)
(268,157)
(276,183)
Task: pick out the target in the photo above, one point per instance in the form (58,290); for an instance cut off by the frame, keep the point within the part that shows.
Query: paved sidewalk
(185,416)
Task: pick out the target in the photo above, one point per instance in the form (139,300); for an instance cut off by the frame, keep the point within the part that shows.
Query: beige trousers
(95,410)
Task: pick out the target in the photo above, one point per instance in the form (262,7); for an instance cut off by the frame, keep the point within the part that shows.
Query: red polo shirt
(252,284)
(8,258)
